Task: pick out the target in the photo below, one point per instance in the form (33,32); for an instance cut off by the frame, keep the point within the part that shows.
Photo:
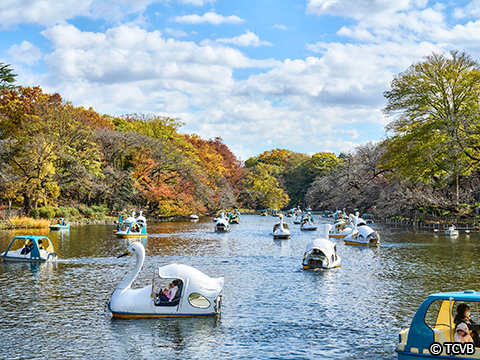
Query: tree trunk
(27,203)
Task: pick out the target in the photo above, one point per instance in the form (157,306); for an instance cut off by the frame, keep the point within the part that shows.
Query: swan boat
(133,227)
(307,223)
(340,230)
(222,225)
(433,323)
(275,212)
(362,234)
(298,218)
(290,213)
(59,223)
(321,253)
(234,218)
(193,217)
(451,231)
(281,230)
(339,215)
(264,212)
(198,294)
(30,248)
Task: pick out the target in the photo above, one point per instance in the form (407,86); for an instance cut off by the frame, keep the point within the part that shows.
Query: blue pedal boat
(30,248)
(59,223)
(433,323)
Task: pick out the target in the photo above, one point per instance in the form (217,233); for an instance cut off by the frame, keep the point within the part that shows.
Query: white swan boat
(451,231)
(307,223)
(298,218)
(222,225)
(321,253)
(30,248)
(281,230)
(193,217)
(198,294)
(340,230)
(362,234)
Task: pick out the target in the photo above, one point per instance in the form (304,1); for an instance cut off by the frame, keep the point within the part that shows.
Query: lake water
(271,308)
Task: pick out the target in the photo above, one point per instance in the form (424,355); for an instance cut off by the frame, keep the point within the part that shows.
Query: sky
(305,75)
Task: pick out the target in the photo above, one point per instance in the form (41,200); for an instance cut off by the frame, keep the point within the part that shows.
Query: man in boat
(28,247)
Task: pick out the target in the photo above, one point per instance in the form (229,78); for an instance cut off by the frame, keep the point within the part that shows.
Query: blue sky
(307,75)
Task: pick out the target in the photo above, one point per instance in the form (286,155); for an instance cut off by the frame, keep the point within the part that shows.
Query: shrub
(87,212)
(74,212)
(46,212)
(62,211)
(34,213)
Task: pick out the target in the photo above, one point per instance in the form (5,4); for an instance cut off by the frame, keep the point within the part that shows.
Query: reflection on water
(271,307)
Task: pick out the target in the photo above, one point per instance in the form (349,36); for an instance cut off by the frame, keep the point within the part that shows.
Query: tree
(265,187)
(7,77)
(428,101)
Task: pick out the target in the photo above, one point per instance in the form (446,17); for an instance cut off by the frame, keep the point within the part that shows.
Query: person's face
(461,332)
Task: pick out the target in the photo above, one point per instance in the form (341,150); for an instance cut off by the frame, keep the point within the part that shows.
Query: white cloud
(281,27)
(26,53)
(247,39)
(51,12)
(209,18)
(175,33)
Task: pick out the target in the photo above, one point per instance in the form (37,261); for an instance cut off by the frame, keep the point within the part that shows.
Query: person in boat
(40,245)
(171,292)
(28,247)
(462,334)
(463,317)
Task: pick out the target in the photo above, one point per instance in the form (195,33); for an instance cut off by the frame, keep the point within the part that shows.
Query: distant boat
(59,223)
(281,230)
(307,223)
(451,231)
(133,227)
(222,225)
(194,217)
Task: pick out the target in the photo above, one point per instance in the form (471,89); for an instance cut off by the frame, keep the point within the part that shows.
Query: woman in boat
(173,288)
(463,317)
(462,335)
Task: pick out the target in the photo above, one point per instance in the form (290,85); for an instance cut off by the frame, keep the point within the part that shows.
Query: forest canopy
(53,153)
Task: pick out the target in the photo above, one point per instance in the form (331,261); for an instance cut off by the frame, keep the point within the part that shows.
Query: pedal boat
(275,212)
(290,213)
(321,253)
(368,218)
(222,225)
(133,227)
(434,323)
(451,231)
(281,230)
(59,223)
(298,218)
(362,234)
(198,294)
(30,248)
(307,223)
(340,230)
(234,219)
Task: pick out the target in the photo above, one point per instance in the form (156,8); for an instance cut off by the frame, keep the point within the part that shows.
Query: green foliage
(7,77)
(46,212)
(431,102)
(34,213)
